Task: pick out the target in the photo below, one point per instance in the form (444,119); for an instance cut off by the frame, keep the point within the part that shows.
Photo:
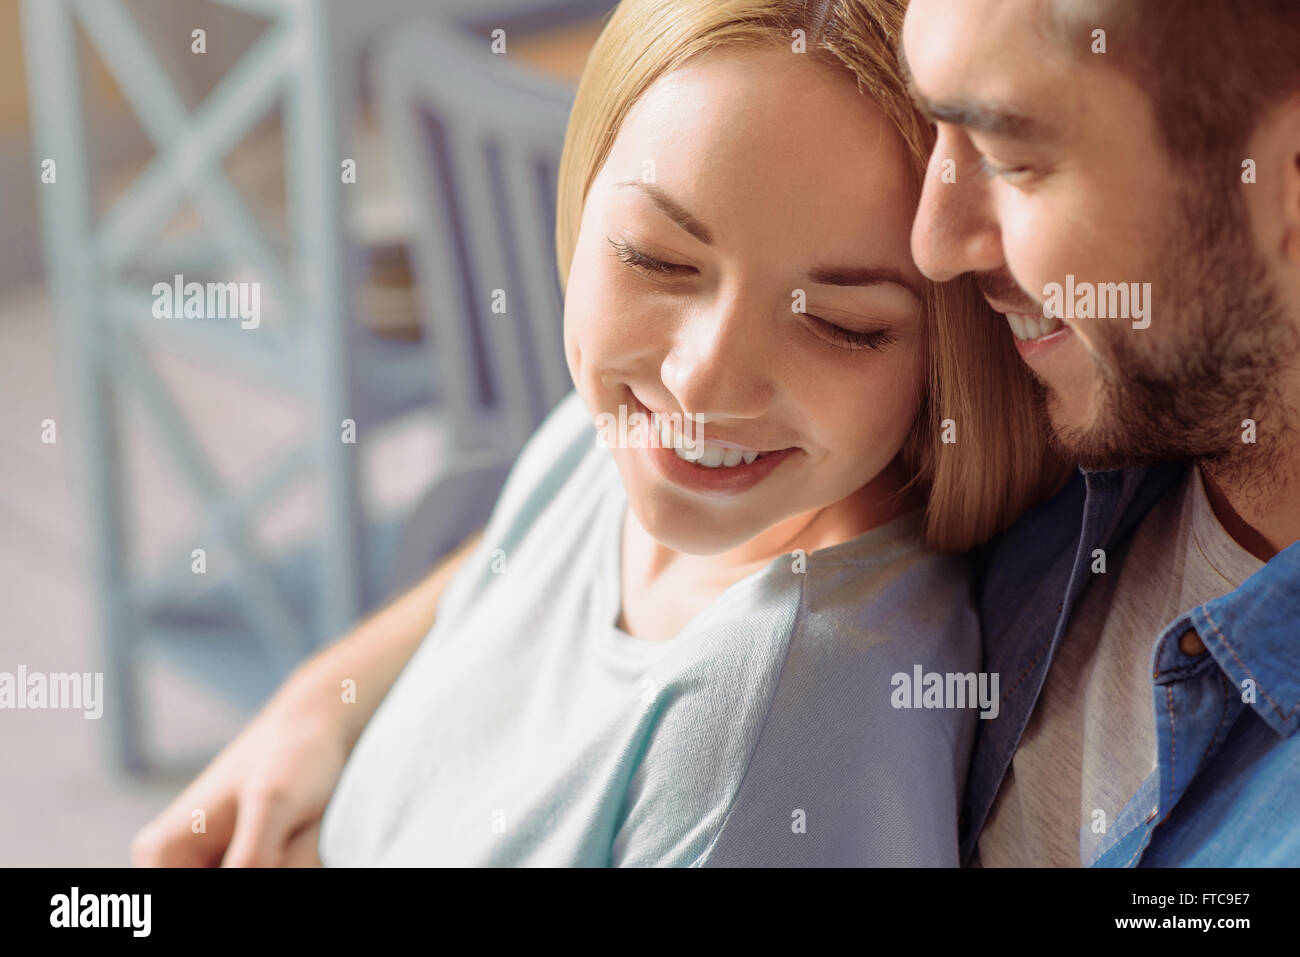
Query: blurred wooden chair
(100,271)
(475,141)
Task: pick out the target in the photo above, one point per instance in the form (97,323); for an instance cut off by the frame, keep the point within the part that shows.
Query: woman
(676,642)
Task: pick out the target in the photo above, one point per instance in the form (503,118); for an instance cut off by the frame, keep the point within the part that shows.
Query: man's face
(1049,165)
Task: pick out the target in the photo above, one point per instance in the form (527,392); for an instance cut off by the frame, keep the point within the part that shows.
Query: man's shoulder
(1030,578)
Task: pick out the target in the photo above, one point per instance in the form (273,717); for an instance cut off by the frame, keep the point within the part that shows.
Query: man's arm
(262,798)
(374,653)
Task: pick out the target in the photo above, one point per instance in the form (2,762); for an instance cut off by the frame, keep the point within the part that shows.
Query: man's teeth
(709,456)
(1025,326)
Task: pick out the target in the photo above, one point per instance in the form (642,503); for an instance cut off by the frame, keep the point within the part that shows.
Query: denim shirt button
(1190,644)
(963,822)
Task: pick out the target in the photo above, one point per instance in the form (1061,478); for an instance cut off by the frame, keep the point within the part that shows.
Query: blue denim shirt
(1226,788)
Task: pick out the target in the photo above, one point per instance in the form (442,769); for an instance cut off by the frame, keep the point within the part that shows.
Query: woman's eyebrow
(821,275)
(861,276)
(672,210)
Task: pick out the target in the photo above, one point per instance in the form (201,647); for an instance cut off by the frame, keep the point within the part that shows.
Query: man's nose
(720,364)
(956,229)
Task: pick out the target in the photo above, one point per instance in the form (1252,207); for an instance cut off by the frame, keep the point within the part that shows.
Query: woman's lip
(723,444)
(722,481)
(705,439)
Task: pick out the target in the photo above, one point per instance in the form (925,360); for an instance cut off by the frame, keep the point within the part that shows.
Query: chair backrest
(476,140)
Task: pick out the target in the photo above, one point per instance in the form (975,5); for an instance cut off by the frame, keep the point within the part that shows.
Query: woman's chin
(691,531)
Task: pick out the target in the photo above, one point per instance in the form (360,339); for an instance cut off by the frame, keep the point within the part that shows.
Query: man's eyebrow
(971,114)
(861,276)
(672,210)
(983,118)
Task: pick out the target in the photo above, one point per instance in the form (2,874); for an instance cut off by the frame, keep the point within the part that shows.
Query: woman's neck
(875,504)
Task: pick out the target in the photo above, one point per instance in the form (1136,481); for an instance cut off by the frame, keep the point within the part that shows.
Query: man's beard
(1184,395)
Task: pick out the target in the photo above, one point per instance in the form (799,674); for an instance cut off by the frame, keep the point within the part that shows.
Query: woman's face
(744,259)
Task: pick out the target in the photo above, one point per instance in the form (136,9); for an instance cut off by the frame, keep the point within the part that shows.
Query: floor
(64,803)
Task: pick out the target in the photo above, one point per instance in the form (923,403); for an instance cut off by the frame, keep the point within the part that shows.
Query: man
(1122,177)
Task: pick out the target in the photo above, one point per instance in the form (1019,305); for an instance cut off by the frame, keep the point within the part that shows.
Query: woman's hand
(261,799)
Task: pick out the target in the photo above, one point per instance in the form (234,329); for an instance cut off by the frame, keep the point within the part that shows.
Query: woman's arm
(260,801)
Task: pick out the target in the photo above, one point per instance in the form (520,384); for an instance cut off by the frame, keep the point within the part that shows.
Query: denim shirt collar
(1254,635)
(1032,577)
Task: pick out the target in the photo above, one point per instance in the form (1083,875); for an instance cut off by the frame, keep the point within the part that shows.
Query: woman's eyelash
(639,260)
(838,335)
(848,339)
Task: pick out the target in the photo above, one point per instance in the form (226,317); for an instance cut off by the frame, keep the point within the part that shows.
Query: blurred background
(193,500)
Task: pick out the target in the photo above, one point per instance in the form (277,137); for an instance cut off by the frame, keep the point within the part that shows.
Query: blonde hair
(1000,463)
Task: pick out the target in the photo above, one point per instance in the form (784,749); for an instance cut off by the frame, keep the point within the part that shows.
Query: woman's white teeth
(709,456)
(712,457)
(1025,326)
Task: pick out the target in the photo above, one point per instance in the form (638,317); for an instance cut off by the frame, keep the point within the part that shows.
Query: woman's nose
(721,362)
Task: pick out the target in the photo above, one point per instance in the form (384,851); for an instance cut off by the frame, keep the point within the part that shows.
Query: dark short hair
(1213,68)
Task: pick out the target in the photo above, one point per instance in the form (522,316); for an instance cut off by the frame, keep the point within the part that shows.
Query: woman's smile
(701,464)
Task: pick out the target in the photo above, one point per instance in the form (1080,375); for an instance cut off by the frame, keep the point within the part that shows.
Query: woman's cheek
(602,306)
(572,346)
(886,410)
(586,310)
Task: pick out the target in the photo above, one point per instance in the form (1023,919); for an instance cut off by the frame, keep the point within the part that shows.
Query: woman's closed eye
(631,256)
(848,338)
(827,331)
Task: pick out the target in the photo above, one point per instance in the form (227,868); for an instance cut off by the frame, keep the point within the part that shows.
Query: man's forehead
(985,64)
(963,36)
(991,23)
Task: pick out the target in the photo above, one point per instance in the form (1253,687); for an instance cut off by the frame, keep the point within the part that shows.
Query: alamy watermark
(214,300)
(1107,300)
(922,689)
(636,430)
(130,911)
(59,690)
